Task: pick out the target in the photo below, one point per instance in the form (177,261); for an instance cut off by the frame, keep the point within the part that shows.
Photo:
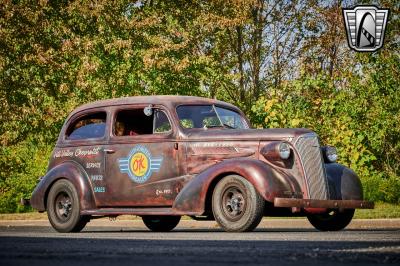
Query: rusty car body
(162,157)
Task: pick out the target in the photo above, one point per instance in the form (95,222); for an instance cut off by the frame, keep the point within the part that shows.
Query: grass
(381,211)
(23,216)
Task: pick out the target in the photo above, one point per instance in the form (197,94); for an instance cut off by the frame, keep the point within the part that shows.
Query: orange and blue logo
(140,165)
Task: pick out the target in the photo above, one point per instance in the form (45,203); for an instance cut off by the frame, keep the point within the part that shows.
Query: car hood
(246,134)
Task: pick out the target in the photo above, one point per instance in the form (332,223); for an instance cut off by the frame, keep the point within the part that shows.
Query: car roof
(168,100)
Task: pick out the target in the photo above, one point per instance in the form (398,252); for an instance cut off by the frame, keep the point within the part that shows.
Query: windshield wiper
(222,125)
(212,126)
(228,126)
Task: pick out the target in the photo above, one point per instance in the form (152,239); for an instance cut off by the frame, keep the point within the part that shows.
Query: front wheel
(334,220)
(236,204)
(63,208)
(161,223)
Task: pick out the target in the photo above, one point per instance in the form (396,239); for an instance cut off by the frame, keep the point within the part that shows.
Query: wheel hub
(64,206)
(233,203)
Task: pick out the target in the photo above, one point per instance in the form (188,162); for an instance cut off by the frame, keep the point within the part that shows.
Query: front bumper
(327,204)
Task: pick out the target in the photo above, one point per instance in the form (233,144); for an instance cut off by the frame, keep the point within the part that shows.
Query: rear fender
(268,181)
(72,172)
(344,184)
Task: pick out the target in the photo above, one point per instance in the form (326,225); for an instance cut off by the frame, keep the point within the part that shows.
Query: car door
(141,159)
(83,143)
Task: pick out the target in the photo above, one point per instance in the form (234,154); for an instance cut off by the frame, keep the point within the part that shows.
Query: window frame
(160,135)
(169,121)
(76,117)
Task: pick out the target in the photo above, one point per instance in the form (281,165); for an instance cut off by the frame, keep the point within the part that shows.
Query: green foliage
(285,69)
(20,170)
(352,102)
(359,122)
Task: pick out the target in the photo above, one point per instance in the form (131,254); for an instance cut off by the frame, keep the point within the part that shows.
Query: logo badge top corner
(365,27)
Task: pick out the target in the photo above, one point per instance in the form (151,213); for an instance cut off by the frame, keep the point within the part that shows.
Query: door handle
(109,151)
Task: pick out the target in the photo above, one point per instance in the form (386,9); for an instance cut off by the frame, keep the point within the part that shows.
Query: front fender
(268,181)
(344,184)
(74,173)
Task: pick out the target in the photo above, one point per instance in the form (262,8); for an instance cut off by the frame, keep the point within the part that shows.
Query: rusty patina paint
(192,162)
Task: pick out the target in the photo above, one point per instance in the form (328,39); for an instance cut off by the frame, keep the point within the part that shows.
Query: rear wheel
(161,223)
(334,220)
(63,208)
(236,205)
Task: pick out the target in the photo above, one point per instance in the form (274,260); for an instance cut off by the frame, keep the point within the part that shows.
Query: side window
(87,127)
(134,122)
(161,122)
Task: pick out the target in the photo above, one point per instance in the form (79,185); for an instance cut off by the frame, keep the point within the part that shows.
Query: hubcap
(233,203)
(63,206)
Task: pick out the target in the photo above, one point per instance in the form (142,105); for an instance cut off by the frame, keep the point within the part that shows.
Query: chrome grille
(310,155)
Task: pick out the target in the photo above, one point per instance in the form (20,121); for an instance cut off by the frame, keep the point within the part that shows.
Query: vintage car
(162,157)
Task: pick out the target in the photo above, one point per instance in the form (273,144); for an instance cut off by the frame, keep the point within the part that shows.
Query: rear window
(88,127)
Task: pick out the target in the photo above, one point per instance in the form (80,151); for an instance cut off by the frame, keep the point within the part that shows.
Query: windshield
(209,116)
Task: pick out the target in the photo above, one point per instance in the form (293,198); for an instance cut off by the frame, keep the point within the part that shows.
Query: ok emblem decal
(140,165)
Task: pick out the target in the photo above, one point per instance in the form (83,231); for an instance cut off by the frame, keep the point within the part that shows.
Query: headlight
(330,154)
(284,150)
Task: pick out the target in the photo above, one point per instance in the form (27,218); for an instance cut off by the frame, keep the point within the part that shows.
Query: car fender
(268,181)
(344,184)
(72,172)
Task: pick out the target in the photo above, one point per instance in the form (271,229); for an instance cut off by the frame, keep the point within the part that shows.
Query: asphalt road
(198,243)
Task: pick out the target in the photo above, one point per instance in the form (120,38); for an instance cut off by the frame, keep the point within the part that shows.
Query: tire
(236,205)
(161,223)
(63,208)
(331,221)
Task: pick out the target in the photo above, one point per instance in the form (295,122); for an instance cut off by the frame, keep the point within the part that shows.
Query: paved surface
(275,242)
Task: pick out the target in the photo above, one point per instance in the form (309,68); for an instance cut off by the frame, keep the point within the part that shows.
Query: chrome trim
(308,149)
(330,204)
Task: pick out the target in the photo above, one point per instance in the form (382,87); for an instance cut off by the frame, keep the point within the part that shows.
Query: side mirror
(148,110)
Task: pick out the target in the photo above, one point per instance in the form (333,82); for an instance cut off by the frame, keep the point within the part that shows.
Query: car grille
(311,158)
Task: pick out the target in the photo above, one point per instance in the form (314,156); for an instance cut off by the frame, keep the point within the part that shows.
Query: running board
(133,211)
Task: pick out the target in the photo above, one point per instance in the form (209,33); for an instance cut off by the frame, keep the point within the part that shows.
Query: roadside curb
(369,224)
